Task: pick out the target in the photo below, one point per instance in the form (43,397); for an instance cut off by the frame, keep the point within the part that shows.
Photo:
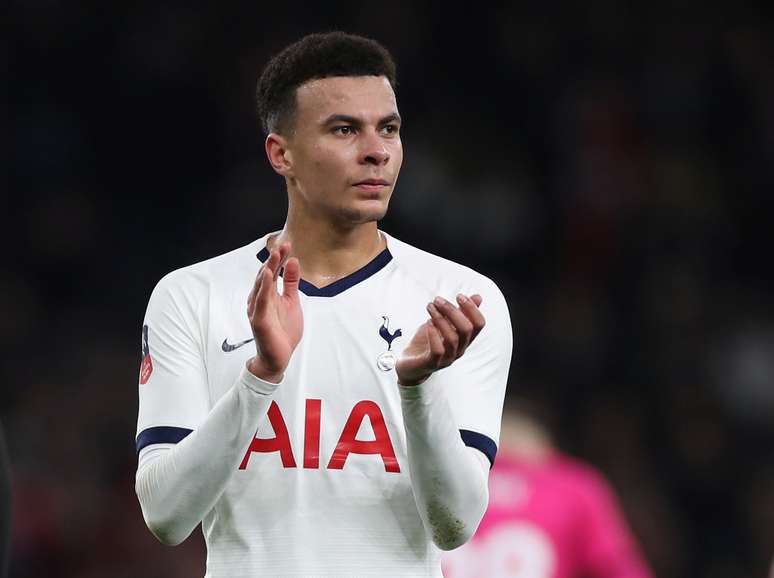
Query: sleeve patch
(146,367)
(483,443)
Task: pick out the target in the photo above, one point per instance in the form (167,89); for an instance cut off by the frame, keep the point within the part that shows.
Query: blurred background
(610,165)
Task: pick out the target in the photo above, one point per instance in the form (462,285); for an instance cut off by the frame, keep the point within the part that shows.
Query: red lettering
(279,443)
(382,445)
(312,434)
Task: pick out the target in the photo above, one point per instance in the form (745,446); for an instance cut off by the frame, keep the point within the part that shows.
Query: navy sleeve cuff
(483,443)
(161,435)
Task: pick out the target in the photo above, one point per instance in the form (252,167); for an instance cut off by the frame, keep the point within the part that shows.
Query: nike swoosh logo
(226,346)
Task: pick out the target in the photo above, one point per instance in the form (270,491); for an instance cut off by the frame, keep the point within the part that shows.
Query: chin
(365,212)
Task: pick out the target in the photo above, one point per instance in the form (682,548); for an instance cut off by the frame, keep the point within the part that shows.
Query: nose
(377,157)
(374,152)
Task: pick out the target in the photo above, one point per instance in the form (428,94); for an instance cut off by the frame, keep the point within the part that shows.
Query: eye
(344,130)
(390,129)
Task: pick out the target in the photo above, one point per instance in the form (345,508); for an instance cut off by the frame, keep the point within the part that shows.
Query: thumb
(290,278)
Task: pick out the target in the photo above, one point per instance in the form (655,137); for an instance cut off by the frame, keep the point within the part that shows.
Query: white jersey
(323,488)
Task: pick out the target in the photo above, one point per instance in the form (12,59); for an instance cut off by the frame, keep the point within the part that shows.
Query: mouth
(372,184)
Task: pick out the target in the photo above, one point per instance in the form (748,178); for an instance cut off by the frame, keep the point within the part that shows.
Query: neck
(327,252)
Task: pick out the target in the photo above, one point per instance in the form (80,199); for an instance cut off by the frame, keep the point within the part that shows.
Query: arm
(449,479)
(178,484)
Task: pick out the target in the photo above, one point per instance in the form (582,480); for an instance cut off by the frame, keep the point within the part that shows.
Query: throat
(321,280)
(324,263)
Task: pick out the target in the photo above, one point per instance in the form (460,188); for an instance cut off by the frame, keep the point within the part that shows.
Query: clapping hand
(276,319)
(442,339)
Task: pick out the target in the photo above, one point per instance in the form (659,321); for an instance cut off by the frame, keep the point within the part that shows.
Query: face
(344,154)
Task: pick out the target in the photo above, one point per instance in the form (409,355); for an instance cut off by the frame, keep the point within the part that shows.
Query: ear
(279,155)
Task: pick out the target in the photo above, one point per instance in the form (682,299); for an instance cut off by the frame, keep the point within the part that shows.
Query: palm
(278,329)
(276,319)
(413,362)
(440,340)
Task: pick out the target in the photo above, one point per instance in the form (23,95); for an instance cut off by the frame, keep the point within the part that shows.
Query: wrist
(412,381)
(422,392)
(258,368)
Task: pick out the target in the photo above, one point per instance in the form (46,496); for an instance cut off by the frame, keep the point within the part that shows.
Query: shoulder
(192,283)
(443,275)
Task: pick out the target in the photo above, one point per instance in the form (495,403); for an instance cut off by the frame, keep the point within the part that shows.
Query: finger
(254,292)
(273,261)
(291,278)
(435,341)
(447,331)
(459,321)
(470,309)
(266,291)
(477,299)
(284,253)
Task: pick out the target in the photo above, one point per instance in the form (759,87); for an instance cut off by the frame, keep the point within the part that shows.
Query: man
(549,516)
(353,433)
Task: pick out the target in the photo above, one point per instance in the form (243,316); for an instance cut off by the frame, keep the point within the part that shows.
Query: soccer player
(549,516)
(345,424)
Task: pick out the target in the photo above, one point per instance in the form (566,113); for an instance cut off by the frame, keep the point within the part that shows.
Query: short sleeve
(474,385)
(173,390)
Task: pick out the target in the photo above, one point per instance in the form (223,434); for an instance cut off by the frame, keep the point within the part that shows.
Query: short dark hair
(315,56)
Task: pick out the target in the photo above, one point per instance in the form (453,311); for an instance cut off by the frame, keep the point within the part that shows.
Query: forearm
(177,486)
(449,479)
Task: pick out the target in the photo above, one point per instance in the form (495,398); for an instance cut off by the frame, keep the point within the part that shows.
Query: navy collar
(374,266)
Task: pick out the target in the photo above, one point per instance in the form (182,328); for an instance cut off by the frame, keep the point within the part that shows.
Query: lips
(372,183)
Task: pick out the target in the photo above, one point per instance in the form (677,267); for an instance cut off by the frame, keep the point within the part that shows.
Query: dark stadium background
(609,164)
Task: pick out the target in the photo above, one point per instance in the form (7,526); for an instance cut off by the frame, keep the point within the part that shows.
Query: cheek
(397,155)
(324,171)
(314,165)
(333,163)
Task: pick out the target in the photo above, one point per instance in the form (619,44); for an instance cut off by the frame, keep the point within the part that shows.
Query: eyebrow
(393,117)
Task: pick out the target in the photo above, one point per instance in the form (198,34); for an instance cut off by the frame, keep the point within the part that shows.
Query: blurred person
(549,515)
(5,505)
(310,436)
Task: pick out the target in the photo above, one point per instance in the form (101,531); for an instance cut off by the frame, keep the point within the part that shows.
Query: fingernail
(461,298)
(431,308)
(439,301)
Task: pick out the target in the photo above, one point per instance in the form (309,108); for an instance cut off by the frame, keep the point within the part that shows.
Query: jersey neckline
(371,268)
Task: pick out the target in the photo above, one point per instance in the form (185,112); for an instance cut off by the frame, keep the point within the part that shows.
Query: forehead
(352,95)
